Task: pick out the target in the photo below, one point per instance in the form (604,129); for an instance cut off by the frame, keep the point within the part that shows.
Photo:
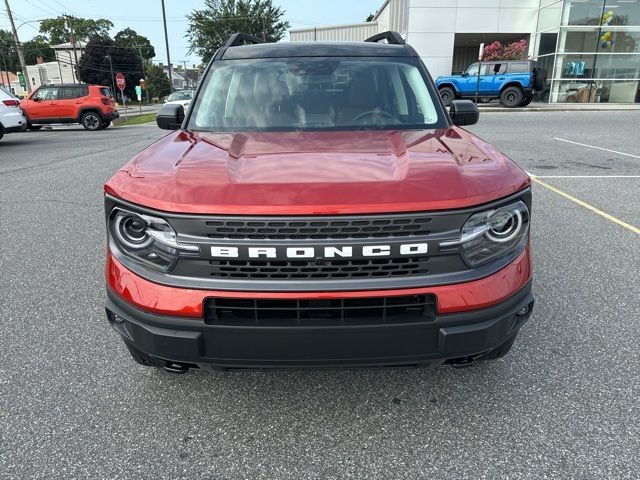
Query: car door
(43,105)
(71,97)
(470,81)
(495,77)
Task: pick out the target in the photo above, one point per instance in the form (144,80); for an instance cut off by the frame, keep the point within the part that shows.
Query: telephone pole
(23,65)
(166,42)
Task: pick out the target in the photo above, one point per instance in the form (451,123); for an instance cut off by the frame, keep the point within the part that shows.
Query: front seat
(362,97)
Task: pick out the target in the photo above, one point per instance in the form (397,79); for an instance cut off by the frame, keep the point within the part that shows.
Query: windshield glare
(314,94)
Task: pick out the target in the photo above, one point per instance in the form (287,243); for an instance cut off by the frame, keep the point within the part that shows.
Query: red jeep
(92,106)
(318,206)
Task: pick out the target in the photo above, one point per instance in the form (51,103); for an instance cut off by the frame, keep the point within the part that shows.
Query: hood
(447,78)
(317,172)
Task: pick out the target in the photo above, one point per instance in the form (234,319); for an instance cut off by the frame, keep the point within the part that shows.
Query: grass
(144,118)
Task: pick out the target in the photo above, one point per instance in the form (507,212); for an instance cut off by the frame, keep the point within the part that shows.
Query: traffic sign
(120,81)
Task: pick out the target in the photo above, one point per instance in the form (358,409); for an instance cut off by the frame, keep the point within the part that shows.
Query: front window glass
(179,96)
(315,94)
(47,94)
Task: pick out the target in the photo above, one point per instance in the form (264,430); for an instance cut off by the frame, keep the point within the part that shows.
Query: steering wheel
(374,113)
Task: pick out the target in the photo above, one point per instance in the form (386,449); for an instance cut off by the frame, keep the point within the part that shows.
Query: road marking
(587,176)
(611,218)
(597,148)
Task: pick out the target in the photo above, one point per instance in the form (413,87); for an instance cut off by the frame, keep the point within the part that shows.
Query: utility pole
(113,85)
(166,42)
(69,19)
(144,72)
(186,77)
(23,65)
(4,63)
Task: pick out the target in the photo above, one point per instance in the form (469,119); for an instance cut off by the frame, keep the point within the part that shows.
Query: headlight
(492,234)
(149,240)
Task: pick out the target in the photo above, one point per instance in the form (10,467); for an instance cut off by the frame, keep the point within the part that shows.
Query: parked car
(180,97)
(320,208)
(92,106)
(512,81)
(11,117)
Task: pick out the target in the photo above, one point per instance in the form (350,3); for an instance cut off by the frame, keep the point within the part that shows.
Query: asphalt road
(563,404)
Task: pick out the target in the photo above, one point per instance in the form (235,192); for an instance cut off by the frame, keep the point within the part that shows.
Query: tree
(9,50)
(38,46)
(58,30)
(157,82)
(511,51)
(94,67)
(130,38)
(210,27)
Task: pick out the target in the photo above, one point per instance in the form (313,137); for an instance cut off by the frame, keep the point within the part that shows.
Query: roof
(69,45)
(3,77)
(317,49)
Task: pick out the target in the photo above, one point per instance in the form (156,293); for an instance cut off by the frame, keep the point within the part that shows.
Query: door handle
(500,78)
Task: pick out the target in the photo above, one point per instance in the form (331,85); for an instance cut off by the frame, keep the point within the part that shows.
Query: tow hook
(176,368)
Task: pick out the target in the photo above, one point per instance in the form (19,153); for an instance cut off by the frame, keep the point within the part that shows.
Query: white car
(11,117)
(181,97)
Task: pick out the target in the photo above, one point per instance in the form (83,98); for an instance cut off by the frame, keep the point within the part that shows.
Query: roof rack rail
(391,37)
(237,39)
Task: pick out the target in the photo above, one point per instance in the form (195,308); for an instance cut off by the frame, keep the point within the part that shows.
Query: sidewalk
(560,107)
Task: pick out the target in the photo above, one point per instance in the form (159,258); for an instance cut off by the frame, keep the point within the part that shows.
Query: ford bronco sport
(317,206)
(512,81)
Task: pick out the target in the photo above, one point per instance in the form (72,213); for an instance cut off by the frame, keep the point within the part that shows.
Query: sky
(145,17)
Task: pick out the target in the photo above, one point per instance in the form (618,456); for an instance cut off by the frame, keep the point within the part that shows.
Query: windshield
(315,93)
(179,96)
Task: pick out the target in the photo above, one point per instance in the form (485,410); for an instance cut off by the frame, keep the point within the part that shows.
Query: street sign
(139,92)
(23,82)
(120,81)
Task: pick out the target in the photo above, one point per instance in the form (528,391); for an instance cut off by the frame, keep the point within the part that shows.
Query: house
(599,37)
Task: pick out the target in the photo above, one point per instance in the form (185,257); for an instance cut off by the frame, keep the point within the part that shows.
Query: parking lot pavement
(562,404)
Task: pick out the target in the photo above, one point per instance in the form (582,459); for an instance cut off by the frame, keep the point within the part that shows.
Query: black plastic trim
(191,341)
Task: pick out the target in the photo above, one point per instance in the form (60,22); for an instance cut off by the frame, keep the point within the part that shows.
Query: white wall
(433,24)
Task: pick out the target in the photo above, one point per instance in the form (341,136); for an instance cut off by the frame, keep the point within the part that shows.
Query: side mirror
(35,99)
(464,112)
(170,116)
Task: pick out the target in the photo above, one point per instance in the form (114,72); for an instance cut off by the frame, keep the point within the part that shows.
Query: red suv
(92,106)
(318,206)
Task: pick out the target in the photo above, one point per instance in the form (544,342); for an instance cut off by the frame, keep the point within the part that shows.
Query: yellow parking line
(586,205)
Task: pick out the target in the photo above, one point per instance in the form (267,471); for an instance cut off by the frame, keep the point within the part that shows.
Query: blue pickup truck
(512,81)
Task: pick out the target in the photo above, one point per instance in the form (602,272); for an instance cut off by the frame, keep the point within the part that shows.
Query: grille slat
(331,268)
(326,312)
(318,230)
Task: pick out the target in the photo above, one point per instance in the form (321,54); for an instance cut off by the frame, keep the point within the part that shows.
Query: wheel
(105,125)
(526,101)
(501,350)
(91,121)
(34,128)
(141,357)
(448,95)
(511,97)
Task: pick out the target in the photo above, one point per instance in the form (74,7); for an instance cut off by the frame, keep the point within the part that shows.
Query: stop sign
(120,81)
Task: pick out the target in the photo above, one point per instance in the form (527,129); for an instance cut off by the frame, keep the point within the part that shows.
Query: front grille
(305,270)
(320,312)
(319,229)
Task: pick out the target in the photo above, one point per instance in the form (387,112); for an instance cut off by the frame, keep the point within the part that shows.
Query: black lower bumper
(16,129)
(450,337)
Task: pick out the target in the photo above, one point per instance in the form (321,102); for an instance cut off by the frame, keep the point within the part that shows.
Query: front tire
(34,128)
(448,95)
(511,97)
(91,121)
(105,125)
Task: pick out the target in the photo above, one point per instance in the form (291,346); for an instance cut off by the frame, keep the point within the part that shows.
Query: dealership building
(590,48)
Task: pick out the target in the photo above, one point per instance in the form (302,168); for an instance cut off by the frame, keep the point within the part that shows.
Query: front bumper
(112,115)
(450,337)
